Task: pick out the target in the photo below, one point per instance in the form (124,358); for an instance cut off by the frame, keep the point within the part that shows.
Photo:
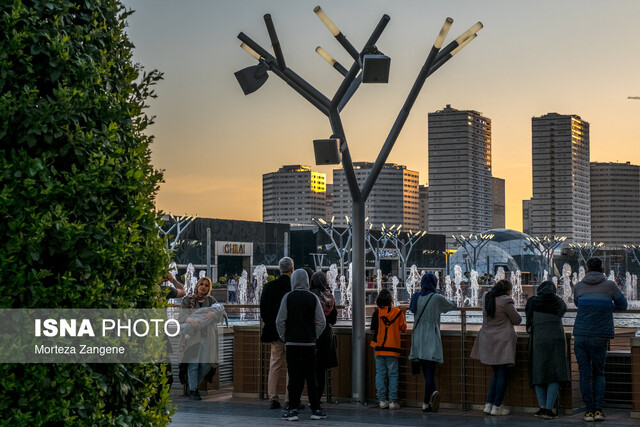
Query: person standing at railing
(548,365)
(325,350)
(596,299)
(270,300)
(496,342)
(426,345)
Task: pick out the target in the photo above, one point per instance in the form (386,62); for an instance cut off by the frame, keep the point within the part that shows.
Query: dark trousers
(429,373)
(321,375)
(498,385)
(301,366)
(591,354)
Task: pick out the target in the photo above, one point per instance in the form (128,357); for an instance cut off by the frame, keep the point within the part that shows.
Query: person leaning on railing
(496,342)
(548,365)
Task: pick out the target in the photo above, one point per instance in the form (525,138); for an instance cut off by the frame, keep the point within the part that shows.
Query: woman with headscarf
(547,347)
(496,342)
(325,351)
(426,345)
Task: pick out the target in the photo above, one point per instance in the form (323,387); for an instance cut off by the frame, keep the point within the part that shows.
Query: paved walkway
(223,410)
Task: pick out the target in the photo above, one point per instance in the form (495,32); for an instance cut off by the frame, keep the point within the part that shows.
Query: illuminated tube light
(250,51)
(474,29)
(326,21)
(463,44)
(325,55)
(443,33)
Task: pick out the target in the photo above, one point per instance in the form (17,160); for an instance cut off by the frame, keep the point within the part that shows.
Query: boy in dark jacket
(300,322)
(596,298)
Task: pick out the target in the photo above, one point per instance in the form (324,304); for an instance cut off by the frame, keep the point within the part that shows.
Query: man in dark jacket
(272,295)
(596,298)
(300,322)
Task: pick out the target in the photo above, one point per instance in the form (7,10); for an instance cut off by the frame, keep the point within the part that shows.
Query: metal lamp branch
(180,224)
(547,245)
(404,247)
(380,243)
(252,78)
(586,250)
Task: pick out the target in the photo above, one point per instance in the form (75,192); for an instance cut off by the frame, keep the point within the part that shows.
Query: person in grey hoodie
(596,299)
(300,322)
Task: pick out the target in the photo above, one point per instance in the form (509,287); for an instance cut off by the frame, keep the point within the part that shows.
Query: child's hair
(384,298)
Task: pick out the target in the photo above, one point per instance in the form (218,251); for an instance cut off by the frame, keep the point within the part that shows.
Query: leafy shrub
(76,202)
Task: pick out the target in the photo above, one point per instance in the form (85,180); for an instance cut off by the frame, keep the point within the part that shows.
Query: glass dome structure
(509,249)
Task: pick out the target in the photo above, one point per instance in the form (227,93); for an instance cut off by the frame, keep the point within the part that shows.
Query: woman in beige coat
(496,342)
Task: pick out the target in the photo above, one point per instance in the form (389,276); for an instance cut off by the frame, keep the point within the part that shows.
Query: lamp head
(252,78)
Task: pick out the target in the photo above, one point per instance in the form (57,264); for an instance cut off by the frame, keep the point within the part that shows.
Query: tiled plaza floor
(223,410)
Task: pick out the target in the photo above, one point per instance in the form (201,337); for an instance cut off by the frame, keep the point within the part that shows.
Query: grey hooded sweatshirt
(300,320)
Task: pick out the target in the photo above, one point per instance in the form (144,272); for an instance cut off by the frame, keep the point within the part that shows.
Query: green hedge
(77,190)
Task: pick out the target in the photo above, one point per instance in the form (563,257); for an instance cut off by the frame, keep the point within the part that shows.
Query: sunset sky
(214,143)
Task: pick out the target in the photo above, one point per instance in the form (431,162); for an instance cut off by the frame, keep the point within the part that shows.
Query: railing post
(463,364)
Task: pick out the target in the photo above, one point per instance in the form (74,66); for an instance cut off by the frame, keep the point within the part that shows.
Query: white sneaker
(487,408)
(394,405)
(500,410)
(384,404)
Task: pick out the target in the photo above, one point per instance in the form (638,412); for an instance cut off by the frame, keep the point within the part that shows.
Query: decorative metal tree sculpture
(546,246)
(180,224)
(586,250)
(369,65)
(404,247)
(341,245)
(380,243)
(472,245)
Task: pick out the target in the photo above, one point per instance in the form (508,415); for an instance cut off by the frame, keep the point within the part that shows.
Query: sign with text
(234,248)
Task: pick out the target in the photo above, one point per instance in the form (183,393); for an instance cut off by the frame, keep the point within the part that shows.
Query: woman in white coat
(426,346)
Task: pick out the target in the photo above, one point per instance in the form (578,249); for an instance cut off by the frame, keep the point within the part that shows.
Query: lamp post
(476,242)
(380,243)
(340,245)
(546,246)
(404,247)
(368,66)
(586,250)
(180,224)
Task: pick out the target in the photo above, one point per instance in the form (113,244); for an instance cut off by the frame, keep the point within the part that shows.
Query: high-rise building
(460,188)
(615,203)
(393,199)
(329,200)
(293,195)
(498,220)
(561,200)
(423,207)
(526,216)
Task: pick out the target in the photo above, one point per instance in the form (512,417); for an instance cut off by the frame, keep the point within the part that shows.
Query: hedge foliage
(76,200)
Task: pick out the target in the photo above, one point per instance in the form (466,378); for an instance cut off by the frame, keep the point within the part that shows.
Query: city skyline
(214,143)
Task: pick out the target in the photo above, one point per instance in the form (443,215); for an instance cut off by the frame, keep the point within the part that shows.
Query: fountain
(413,280)
(566,282)
(516,280)
(242,293)
(474,287)
(457,279)
(554,279)
(394,282)
(260,274)
(349,293)
(545,277)
(202,274)
(379,279)
(612,276)
(190,280)
(448,289)
(500,275)
(581,273)
(332,276)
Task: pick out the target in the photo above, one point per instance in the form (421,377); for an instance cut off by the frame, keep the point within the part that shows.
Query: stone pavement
(224,410)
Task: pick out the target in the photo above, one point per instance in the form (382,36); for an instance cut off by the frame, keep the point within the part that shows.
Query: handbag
(415,364)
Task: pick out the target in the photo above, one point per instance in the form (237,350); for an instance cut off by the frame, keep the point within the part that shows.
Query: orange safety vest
(386,339)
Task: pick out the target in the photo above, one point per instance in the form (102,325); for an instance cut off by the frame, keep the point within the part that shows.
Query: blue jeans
(591,354)
(498,385)
(547,394)
(197,371)
(387,366)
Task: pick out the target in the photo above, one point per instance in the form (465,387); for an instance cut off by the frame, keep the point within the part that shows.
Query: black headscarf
(546,301)
(500,288)
(428,285)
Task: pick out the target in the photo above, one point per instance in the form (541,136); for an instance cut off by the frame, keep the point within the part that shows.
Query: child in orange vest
(387,322)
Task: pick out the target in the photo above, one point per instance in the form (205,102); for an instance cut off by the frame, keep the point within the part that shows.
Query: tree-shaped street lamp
(586,250)
(472,245)
(340,240)
(376,244)
(369,65)
(633,251)
(180,224)
(404,247)
(546,245)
